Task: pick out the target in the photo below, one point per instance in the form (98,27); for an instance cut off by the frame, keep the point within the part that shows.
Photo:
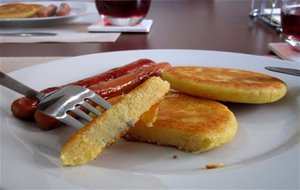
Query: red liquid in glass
(290,22)
(123,8)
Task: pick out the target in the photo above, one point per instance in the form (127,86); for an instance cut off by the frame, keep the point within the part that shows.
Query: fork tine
(100,101)
(68,99)
(71,121)
(82,114)
(90,108)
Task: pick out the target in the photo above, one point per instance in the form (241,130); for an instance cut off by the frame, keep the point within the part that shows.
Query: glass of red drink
(122,12)
(290,19)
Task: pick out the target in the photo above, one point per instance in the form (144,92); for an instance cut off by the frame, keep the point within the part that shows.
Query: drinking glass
(122,12)
(290,19)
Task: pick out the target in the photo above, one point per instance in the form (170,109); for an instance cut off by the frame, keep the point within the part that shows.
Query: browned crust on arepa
(226,84)
(188,123)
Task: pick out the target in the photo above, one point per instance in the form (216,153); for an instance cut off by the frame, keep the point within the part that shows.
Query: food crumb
(174,156)
(214,166)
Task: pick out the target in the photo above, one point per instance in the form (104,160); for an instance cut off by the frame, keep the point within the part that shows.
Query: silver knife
(289,71)
(27,34)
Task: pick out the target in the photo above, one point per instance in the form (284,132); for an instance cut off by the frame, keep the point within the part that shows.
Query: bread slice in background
(226,84)
(87,143)
(188,123)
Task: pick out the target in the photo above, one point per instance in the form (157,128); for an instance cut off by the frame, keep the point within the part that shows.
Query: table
(219,25)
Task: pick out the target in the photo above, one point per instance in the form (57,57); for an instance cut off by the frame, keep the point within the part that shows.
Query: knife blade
(27,34)
(289,71)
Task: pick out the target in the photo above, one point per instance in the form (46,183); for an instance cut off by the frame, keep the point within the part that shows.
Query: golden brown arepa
(87,143)
(189,123)
(16,10)
(226,84)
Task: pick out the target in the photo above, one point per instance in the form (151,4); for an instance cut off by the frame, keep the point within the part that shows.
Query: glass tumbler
(122,12)
(290,19)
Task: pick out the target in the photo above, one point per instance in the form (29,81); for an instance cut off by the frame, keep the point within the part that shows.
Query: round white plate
(77,9)
(264,153)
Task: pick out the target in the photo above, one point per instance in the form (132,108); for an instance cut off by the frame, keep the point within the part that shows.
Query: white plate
(77,9)
(264,154)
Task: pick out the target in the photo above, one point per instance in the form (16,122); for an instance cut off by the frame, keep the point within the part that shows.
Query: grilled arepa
(189,123)
(226,84)
(87,143)
(16,10)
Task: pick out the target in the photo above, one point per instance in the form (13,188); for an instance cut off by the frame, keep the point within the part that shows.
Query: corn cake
(226,84)
(188,123)
(16,10)
(87,143)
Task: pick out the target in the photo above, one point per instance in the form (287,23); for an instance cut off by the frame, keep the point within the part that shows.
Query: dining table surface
(217,25)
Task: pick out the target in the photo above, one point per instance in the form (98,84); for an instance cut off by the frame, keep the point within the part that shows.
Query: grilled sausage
(63,10)
(47,11)
(24,108)
(127,82)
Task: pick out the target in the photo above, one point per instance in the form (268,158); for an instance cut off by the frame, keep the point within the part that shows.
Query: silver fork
(60,103)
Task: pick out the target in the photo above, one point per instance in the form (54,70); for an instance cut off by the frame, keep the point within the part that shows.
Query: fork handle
(19,87)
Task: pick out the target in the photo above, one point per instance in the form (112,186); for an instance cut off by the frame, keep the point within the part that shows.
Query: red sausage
(63,10)
(24,108)
(114,73)
(47,11)
(112,88)
(127,82)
